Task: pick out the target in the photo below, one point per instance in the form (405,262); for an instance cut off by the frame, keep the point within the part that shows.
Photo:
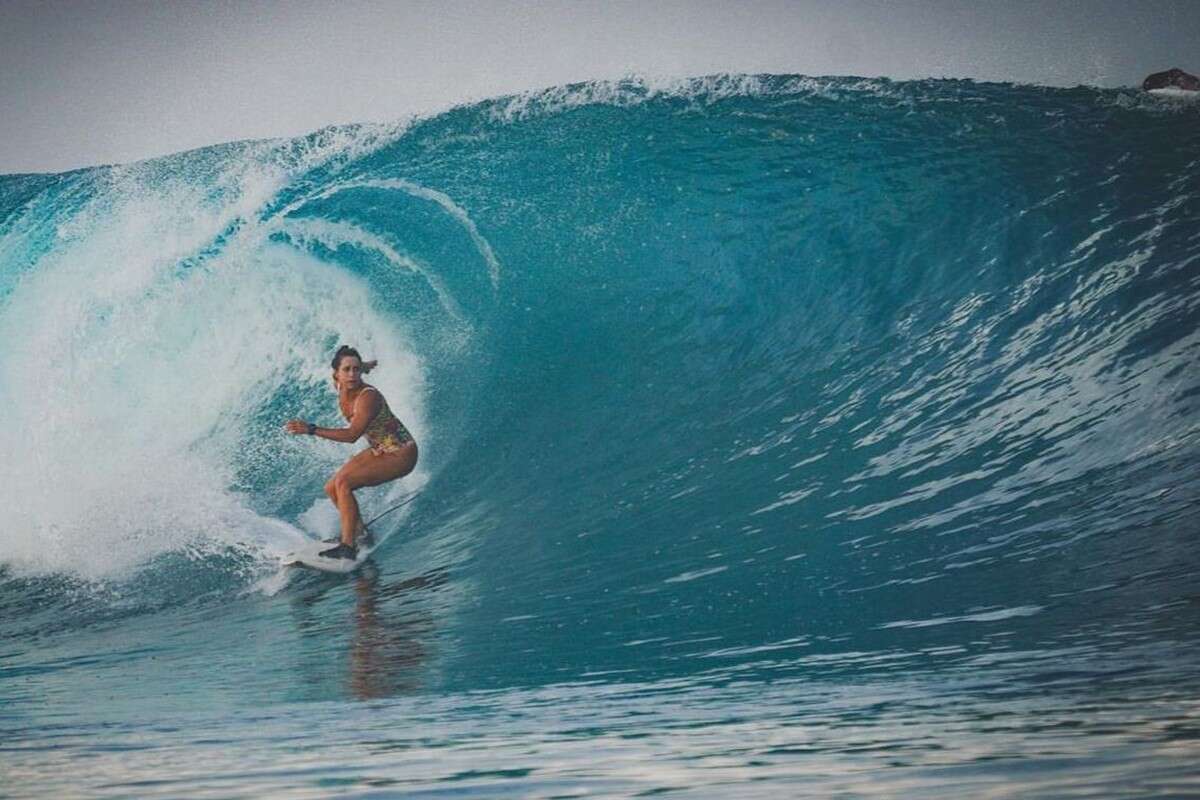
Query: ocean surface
(780,436)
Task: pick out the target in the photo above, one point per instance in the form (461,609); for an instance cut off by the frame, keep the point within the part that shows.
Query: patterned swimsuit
(385,433)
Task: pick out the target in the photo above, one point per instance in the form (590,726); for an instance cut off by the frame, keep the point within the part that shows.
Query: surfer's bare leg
(366,469)
(348,509)
(331,489)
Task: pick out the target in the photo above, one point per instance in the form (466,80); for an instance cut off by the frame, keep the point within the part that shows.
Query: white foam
(636,89)
(440,198)
(334,234)
(129,386)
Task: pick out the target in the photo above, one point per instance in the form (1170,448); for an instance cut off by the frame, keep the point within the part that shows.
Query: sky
(85,82)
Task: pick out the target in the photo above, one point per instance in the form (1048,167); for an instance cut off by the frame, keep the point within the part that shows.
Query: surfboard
(309,555)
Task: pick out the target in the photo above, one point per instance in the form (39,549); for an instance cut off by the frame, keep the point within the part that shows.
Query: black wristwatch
(312,429)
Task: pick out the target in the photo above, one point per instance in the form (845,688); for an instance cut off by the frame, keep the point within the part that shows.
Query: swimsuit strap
(383,406)
(382,414)
(382,401)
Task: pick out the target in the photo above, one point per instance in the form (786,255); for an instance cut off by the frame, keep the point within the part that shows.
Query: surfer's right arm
(365,409)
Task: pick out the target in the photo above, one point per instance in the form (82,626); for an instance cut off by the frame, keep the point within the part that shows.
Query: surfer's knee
(331,490)
(341,484)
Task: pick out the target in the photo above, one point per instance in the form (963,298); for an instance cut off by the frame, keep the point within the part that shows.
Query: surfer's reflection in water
(388,650)
(392,454)
(391,637)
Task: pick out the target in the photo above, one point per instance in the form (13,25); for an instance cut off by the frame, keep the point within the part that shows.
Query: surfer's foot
(341,551)
(364,538)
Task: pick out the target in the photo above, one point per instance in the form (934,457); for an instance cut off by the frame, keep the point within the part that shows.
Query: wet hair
(342,352)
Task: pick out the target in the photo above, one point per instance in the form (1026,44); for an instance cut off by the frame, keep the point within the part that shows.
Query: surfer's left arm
(365,409)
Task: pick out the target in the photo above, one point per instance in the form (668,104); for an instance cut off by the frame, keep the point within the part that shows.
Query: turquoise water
(780,436)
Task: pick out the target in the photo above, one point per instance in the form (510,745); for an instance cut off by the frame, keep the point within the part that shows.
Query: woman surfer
(392,453)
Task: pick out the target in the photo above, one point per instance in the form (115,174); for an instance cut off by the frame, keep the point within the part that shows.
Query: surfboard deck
(308,556)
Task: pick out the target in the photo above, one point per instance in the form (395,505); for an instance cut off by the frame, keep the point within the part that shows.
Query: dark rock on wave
(1174,78)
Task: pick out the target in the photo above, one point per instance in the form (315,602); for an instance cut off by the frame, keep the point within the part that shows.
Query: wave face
(785,381)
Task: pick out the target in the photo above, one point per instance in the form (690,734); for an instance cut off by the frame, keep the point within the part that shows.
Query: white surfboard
(309,555)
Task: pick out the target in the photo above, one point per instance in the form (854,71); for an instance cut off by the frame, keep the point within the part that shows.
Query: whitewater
(780,436)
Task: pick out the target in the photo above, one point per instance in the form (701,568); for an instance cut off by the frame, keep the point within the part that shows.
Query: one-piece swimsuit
(385,433)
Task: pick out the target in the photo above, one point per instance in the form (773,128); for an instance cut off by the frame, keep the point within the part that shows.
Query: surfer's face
(349,372)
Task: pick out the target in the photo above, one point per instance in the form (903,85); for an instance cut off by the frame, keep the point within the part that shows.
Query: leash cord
(401,504)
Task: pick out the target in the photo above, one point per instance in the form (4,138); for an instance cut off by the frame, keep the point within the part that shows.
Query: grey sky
(83,83)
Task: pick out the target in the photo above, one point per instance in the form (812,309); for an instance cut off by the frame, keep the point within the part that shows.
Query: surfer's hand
(296,426)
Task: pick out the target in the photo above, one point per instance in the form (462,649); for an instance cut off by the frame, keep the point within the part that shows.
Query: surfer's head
(343,352)
(347,367)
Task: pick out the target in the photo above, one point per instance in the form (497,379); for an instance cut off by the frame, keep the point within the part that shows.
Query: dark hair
(342,352)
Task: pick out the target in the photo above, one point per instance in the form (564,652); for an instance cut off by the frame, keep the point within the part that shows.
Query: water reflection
(387,649)
(391,635)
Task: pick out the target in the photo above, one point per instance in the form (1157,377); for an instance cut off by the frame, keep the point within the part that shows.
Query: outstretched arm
(365,408)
